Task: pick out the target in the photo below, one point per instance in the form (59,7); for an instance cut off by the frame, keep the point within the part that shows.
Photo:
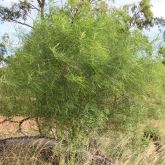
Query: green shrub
(75,74)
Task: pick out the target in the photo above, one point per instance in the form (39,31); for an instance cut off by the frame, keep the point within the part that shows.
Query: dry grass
(123,150)
(149,156)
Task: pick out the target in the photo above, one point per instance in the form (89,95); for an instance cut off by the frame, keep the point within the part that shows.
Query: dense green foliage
(76,72)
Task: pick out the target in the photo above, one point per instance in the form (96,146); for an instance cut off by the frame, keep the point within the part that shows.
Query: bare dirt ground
(11,128)
(29,127)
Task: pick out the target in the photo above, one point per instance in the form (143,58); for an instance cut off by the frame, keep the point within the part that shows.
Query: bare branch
(39,2)
(22,23)
(34,7)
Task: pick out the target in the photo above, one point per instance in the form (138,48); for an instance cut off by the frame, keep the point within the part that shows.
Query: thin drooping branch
(22,23)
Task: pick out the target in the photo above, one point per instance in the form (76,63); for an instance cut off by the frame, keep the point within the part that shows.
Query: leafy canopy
(76,71)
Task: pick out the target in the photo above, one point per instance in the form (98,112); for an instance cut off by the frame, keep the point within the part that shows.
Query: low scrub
(108,149)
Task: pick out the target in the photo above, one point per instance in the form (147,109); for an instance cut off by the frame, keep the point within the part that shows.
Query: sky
(158,8)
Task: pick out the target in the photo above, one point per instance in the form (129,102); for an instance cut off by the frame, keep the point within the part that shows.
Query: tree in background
(140,14)
(3,46)
(19,12)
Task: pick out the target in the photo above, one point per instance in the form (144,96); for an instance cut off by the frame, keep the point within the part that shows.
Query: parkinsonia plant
(80,69)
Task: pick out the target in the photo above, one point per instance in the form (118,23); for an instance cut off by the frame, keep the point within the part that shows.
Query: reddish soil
(10,128)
